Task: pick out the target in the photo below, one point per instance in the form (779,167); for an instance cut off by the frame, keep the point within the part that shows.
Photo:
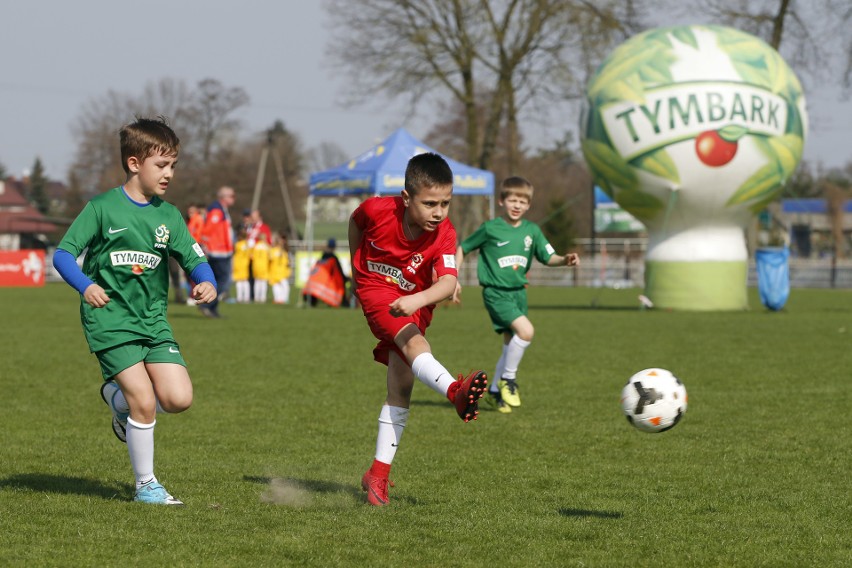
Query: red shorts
(376,305)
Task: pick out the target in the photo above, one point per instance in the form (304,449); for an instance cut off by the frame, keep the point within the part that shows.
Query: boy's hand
(95,296)
(204,293)
(572,259)
(456,299)
(405,306)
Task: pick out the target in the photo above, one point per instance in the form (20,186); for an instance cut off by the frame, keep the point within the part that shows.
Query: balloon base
(697,286)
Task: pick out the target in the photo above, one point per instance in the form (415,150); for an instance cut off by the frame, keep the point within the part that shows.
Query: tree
(808,33)
(494,57)
(37,188)
(202,117)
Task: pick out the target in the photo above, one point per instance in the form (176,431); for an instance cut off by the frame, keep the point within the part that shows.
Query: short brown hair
(516,185)
(427,170)
(146,136)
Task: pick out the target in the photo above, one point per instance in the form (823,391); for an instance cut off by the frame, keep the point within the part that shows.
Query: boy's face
(154,173)
(514,207)
(429,206)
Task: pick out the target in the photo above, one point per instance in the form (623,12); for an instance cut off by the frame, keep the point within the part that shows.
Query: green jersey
(506,252)
(128,249)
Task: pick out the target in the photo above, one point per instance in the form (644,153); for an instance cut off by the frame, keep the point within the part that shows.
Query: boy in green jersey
(128,235)
(507,245)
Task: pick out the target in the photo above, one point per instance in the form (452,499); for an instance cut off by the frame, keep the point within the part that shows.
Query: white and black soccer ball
(653,400)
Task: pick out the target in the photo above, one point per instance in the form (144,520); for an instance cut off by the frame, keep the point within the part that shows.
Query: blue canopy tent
(381,171)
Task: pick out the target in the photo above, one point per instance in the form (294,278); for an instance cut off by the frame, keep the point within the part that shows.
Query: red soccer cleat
(468,393)
(376,488)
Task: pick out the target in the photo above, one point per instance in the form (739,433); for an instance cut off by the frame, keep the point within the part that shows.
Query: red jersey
(385,258)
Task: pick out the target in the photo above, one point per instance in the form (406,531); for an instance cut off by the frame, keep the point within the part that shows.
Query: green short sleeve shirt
(506,252)
(127,246)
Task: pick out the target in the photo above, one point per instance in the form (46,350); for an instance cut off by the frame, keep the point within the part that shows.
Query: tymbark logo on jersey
(137,260)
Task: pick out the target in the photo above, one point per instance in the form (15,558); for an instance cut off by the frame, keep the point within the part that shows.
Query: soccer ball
(653,400)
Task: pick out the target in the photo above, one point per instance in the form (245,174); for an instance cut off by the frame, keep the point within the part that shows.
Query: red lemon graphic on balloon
(718,147)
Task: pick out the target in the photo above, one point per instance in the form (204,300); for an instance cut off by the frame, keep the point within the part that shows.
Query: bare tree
(202,117)
(808,33)
(495,57)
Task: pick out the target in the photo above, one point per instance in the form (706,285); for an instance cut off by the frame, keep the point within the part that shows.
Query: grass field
(269,457)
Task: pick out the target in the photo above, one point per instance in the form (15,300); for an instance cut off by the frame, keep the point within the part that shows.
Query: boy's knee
(526,334)
(176,404)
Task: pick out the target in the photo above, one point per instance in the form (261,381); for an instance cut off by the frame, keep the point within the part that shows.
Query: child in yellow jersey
(279,269)
(240,267)
(260,268)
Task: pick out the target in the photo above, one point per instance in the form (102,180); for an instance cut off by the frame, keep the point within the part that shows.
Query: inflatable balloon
(693,130)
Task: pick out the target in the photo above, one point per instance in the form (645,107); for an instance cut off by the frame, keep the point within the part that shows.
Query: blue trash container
(773,276)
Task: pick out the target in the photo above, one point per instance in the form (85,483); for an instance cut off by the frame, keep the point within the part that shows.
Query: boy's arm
(570,259)
(66,265)
(459,259)
(355,234)
(441,290)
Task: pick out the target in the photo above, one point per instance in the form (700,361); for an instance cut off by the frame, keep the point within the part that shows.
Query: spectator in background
(260,268)
(195,224)
(195,221)
(279,269)
(327,280)
(257,227)
(217,240)
(240,271)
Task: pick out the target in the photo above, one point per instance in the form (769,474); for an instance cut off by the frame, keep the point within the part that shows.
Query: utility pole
(271,147)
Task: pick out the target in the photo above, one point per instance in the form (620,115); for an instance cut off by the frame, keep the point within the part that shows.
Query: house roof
(17,215)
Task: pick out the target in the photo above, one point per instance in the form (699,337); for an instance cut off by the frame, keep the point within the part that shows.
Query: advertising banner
(22,268)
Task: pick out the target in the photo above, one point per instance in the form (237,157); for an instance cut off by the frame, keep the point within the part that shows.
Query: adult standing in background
(217,239)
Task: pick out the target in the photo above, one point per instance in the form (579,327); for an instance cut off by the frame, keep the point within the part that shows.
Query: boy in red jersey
(397,243)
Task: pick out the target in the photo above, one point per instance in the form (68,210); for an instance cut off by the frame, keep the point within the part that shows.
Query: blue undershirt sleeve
(66,266)
(203,273)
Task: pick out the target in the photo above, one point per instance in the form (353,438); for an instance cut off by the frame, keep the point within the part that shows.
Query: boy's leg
(522,336)
(172,386)
(139,393)
(392,420)
(494,399)
(463,393)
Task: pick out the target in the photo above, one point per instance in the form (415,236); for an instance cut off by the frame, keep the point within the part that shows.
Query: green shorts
(116,359)
(504,306)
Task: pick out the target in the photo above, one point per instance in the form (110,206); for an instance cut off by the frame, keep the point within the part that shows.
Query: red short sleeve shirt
(386,259)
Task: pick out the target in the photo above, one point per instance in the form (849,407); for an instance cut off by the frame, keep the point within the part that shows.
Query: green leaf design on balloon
(761,186)
(732,132)
(638,204)
(658,163)
(607,164)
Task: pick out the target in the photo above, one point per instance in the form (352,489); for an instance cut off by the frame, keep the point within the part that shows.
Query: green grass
(269,457)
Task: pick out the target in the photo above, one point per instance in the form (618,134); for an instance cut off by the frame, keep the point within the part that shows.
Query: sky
(57,56)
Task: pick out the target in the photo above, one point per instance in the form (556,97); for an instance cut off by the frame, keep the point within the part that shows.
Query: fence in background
(615,263)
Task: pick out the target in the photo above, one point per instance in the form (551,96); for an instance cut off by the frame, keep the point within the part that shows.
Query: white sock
(432,373)
(392,421)
(514,354)
(498,371)
(140,446)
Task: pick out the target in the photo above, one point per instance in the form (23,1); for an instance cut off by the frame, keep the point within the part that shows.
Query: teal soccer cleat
(155,494)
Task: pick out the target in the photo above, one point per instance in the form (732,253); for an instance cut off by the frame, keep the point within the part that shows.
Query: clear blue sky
(59,55)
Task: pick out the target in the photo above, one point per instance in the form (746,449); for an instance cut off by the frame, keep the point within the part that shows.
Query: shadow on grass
(569,512)
(46,483)
(310,486)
